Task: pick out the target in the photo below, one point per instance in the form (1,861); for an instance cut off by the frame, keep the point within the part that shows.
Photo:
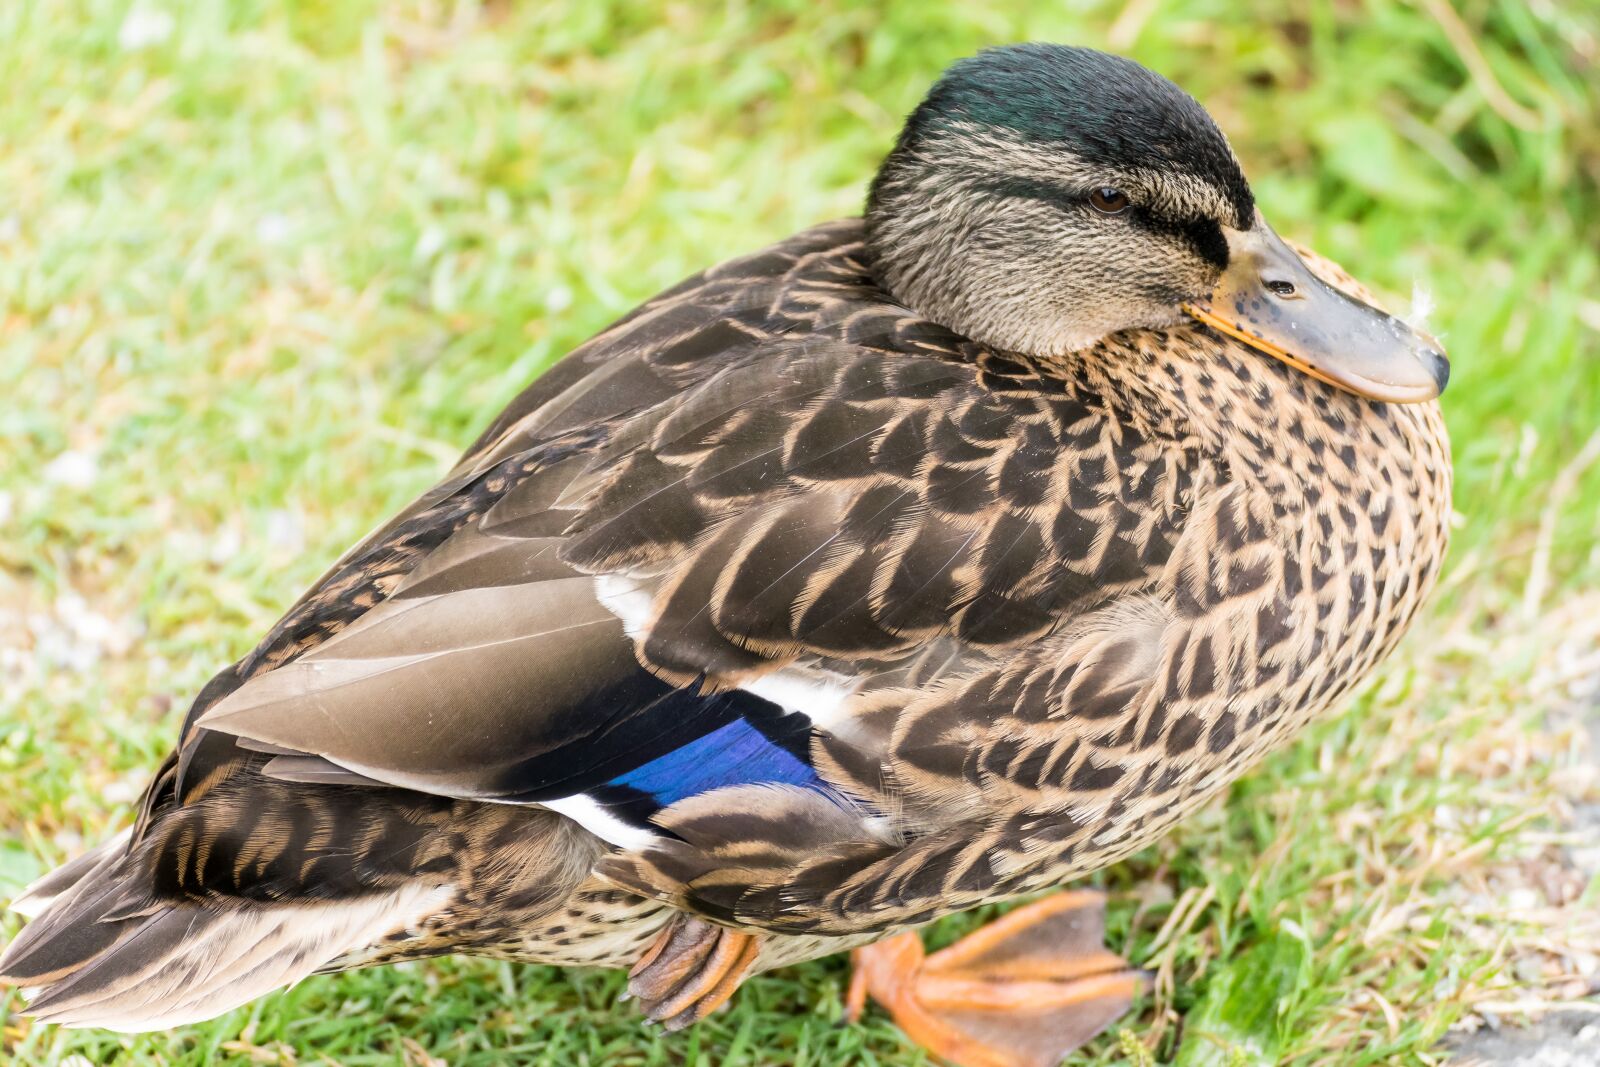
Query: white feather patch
(601,823)
(818,695)
(628,600)
(814,694)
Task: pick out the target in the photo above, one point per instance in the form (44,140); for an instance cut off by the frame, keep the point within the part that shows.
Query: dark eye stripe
(1201,234)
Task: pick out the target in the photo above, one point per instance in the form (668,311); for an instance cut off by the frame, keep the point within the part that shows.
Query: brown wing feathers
(809,502)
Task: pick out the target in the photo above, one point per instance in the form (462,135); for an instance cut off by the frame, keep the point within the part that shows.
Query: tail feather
(110,973)
(38,896)
(283,953)
(183,963)
(286,880)
(51,954)
(67,930)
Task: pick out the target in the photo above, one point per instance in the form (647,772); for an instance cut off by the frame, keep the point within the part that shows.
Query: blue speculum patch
(735,754)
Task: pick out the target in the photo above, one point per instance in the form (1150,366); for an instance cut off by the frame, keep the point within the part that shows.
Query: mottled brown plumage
(1011,616)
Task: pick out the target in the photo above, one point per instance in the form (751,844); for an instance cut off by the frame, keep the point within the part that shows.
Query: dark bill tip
(1269,299)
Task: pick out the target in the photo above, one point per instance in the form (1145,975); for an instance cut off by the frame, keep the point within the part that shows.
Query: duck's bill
(1269,299)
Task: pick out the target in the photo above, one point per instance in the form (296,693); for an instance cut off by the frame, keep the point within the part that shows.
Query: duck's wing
(751,548)
(666,346)
(501,666)
(712,627)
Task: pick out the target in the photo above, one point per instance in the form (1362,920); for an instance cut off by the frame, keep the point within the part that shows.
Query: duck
(925,560)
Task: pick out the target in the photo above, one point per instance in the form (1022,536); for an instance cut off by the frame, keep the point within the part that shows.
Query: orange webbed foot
(1022,991)
(690,971)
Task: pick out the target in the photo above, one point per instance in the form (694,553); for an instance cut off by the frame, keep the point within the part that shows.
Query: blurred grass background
(265,267)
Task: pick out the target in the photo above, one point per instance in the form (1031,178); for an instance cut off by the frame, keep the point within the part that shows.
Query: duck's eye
(1109,201)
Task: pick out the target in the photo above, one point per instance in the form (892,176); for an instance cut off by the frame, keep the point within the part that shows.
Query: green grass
(263,274)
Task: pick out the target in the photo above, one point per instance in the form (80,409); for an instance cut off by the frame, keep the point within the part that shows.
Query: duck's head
(1042,198)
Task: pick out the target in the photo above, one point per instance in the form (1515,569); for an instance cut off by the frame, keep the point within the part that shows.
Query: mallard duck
(916,562)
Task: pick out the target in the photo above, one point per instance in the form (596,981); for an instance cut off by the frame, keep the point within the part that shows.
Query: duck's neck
(1307,444)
